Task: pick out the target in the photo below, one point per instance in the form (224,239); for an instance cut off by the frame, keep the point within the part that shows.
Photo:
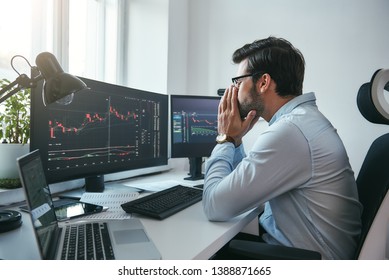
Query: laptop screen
(39,200)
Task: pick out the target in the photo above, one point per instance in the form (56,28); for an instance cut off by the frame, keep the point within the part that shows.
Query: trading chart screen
(194,125)
(106,129)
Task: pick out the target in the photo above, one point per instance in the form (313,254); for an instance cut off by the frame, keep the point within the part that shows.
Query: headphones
(371,99)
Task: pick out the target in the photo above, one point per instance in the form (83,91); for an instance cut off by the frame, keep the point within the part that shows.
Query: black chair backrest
(373,178)
(373,183)
(370,98)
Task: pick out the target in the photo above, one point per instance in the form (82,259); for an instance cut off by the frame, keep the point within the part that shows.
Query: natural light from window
(15,24)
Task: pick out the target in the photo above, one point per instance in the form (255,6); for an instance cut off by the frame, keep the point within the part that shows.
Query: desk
(183,236)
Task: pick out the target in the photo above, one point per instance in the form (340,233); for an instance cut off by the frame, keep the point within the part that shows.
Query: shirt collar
(293,103)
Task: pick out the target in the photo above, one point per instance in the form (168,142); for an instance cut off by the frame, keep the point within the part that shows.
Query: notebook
(127,239)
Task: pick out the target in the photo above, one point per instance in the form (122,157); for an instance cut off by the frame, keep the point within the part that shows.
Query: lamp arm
(9,90)
(23,81)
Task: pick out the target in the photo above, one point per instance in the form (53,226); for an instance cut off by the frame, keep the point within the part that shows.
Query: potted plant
(14,134)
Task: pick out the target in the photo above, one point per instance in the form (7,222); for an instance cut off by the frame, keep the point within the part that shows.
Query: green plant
(10,183)
(15,116)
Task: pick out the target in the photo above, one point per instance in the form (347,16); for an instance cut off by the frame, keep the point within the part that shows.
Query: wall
(343,42)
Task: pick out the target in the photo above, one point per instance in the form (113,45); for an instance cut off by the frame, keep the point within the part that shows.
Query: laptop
(126,239)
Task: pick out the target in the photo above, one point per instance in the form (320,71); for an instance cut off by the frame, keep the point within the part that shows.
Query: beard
(255,102)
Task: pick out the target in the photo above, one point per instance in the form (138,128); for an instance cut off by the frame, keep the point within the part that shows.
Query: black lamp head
(58,84)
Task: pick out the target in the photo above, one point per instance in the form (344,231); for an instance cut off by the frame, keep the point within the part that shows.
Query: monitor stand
(94,183)
(195,173)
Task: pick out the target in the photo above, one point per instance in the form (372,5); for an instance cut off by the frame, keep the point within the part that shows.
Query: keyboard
(87,242)
(163,204)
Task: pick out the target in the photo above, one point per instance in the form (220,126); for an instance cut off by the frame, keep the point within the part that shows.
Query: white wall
(343,42)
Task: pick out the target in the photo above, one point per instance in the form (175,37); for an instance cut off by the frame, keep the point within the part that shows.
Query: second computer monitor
(193,129)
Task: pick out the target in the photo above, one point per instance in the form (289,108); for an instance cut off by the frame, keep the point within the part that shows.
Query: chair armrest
(264,251)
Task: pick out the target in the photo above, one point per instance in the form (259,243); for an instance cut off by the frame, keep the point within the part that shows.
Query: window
(83,35)
(95,39)
(113,41)
(24,31)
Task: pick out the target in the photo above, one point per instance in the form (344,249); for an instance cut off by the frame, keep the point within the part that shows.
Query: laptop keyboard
(87,242)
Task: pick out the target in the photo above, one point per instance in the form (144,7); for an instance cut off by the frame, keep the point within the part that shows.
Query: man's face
(248,97)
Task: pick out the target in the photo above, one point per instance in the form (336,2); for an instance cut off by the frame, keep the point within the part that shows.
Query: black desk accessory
(9,220)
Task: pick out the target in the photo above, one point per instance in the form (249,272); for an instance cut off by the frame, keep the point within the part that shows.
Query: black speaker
(9,220)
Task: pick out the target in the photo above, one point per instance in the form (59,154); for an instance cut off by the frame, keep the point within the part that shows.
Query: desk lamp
(58,87)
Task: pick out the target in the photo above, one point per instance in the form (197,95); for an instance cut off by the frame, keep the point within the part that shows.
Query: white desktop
(185,235)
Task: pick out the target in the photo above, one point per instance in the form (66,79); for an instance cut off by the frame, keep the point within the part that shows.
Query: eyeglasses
(238,80)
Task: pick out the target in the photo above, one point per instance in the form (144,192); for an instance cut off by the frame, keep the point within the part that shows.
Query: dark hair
(277,57)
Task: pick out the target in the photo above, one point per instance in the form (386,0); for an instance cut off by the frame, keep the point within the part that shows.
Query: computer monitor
(104,130)
(193,129)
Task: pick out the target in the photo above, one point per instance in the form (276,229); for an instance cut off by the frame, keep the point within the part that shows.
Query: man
(298,168)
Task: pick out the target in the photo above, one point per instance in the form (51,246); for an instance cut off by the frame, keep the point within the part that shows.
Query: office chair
(372,180)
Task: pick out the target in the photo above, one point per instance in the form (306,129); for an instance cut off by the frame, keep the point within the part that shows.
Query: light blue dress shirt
(299,169)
